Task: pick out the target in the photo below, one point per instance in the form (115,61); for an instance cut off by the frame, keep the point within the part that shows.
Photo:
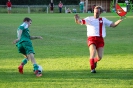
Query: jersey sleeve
(107,22)
(85,21)
(23,26)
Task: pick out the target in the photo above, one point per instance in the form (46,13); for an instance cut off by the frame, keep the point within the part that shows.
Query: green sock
(35,66)
(24,61)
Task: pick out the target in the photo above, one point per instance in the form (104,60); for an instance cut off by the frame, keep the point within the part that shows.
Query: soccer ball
(40,68)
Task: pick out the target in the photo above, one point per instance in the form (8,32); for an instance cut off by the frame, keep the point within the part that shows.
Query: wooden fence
(36,8)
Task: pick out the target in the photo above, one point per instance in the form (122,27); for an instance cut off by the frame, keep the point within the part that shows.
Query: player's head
(97,11)
(27,20)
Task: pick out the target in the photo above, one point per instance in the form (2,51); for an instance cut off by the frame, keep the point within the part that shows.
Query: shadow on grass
(85,74)
(66,75)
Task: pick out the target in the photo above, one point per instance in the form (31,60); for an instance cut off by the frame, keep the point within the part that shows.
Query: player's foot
(95,64)
(93,71)
(20,68)
(37,73)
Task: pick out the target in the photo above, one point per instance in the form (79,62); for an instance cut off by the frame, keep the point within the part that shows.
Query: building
(107,5)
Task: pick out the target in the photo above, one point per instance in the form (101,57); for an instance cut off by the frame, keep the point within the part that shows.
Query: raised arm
(116,23)
(77,19)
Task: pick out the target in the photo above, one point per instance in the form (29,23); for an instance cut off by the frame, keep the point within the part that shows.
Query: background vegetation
(45,2)
(39,2)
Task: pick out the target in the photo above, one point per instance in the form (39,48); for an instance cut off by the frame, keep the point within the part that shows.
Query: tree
(39,2)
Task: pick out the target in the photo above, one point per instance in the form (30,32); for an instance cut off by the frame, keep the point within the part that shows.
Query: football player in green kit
(24,45)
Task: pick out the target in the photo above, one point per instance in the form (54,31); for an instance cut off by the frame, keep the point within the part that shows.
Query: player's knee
(99,58)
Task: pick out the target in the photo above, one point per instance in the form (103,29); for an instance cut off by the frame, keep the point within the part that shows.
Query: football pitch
(64,55)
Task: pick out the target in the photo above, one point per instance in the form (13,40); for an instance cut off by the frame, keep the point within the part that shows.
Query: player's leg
(92,49)
(9,9)
(25,60)
(92,43)
(35,65)
(30,54)
(21,66)
(21,49)
(99,55)
(100,49)
(31,57)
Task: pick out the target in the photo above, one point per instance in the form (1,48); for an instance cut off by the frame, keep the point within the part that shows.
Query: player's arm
(35,37)
(77,19)
(116,23)
(19,33)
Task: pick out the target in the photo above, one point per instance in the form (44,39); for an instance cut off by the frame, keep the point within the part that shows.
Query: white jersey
(93,26)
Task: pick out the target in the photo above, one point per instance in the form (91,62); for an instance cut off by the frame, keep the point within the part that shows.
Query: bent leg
(100,53)
(35,65)
(31,57)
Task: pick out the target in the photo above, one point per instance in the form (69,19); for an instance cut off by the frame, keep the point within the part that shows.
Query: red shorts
(96,40)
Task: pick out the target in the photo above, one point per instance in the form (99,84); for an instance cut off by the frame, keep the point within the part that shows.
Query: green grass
(64,55)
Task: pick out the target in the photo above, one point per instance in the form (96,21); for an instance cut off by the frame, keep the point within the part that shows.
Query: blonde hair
(99,7)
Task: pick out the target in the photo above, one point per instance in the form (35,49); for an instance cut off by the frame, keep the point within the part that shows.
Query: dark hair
(27,19)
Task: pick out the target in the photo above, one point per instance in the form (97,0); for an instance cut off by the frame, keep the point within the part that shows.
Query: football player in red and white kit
(9,5)
(96,32)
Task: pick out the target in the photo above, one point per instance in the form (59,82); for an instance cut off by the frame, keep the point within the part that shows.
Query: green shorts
(25,48)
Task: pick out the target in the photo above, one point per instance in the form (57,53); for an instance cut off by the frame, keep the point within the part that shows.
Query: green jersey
(25,36)
(24,44)
(81,5)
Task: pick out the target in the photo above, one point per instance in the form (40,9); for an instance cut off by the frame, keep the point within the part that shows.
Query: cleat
(93,71)
(38,75)
(20,68)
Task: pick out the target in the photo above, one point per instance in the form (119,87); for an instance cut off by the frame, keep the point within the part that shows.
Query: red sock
(92,65)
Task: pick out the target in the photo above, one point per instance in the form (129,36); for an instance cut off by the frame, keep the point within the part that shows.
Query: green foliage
(40,2)
(63,53)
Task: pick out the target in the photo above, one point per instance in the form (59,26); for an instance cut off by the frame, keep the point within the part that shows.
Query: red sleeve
(83,22)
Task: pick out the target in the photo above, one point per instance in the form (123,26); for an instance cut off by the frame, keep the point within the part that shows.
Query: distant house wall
(104,3)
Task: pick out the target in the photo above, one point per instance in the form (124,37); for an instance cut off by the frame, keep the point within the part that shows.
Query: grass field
(63,53)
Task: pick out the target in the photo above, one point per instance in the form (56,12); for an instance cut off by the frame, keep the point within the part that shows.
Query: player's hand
(76,17)
(39,37)
(123,17)
(15,41)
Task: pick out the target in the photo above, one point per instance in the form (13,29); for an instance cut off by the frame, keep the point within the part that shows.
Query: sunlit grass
(64,55)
